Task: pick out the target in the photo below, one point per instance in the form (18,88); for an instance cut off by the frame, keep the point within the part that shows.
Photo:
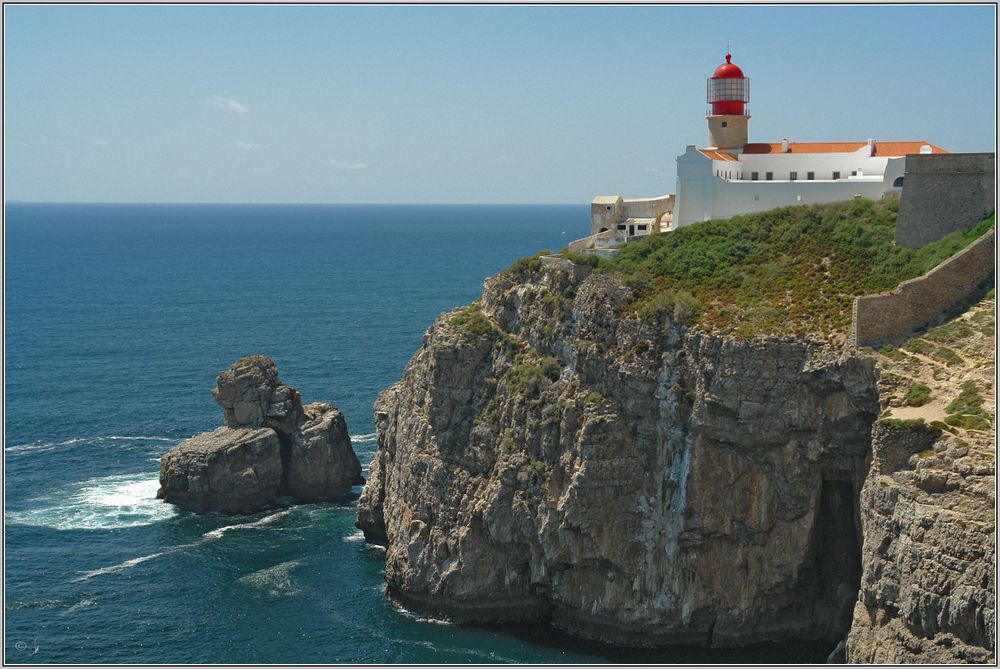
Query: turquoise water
(118,318)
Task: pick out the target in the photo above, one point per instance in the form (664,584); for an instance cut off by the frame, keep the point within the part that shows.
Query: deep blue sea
(117,320)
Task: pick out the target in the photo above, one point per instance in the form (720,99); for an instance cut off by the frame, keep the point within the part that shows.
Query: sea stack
(271,446)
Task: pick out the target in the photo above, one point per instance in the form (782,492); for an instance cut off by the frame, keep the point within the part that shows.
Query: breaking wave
(104,503)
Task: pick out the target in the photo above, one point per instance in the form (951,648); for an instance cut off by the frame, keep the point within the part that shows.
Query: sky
(469,104)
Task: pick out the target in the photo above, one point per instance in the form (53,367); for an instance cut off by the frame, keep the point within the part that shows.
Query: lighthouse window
(810,175)
(793,176)
(836,175)
(898,183)
(753,176)
(725,124)
(769,176)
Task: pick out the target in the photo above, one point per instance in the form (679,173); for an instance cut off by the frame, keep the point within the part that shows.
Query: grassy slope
(793,270)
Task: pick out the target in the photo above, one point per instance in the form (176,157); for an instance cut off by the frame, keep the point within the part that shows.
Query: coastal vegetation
(793,270)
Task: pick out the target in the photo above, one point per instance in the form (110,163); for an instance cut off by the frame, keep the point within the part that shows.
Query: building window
(898,183)
(642,227)
(793,176)
(621,226)
(725,124)
(810,176)
(854,173)
(608,207)
(836,175)
(769,176)
(753,176)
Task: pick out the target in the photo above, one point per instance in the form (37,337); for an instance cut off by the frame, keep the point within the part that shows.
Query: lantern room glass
(729,90)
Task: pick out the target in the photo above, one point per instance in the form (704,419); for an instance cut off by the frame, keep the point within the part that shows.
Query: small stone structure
(918,302)
(943,193)
(631,217)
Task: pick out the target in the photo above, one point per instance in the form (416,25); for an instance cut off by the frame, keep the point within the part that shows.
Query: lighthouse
(728,95)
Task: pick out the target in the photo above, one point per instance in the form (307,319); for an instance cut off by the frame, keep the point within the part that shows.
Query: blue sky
(480,104)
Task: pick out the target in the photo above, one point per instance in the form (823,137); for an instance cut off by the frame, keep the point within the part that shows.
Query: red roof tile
(882,149)
(717,155)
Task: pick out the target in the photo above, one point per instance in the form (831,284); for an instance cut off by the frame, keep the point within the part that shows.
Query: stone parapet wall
(943,193)
(918,302)
(578,272)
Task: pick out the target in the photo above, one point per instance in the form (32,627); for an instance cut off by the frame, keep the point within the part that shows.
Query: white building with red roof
(731,175)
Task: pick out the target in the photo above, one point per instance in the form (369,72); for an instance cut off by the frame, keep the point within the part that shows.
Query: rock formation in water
(551,454)
(270,447)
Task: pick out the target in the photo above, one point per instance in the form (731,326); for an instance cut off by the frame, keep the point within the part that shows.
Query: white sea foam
(121,566)
(363,438)
(275,581)
(218,532)
(354,536)
(40,446)
(82,604)
(104,503)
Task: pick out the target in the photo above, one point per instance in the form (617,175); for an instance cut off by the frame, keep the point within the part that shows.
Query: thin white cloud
(345,165)
(228,104)
(250,146)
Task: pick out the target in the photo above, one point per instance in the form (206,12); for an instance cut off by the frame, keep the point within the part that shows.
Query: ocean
(118,318)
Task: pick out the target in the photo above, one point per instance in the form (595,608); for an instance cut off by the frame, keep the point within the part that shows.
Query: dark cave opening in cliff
(837,551)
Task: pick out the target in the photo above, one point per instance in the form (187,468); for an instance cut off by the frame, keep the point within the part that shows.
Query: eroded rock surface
(928,504)
(271,447)
(551,454)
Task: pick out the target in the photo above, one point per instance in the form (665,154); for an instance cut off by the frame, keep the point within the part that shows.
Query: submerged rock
(270,447)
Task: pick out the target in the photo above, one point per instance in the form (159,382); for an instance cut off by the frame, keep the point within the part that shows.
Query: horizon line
(311,204)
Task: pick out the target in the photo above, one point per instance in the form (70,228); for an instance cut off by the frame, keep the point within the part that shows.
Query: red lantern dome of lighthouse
(728,89)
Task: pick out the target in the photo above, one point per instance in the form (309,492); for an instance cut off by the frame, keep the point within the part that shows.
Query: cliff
(928,504)
(687,450)
(552,454)
(270,447)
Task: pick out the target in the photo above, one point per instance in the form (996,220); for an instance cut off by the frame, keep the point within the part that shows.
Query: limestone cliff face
(271,446)
(928,505)
(551,454)
(927,593)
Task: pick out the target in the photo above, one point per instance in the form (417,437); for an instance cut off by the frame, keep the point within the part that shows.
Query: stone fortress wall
(943,193)
(918,302)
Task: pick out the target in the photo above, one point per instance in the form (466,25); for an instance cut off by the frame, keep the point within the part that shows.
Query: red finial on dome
(728,70)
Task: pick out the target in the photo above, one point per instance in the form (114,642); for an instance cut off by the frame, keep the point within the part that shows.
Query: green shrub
(919,346)
(529,264)
(891,351)
(918,395)
(529,377)
(593,397)
(798,267)
(676,306)
(948,356)
(472,320)
(969,401)
(968,422)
